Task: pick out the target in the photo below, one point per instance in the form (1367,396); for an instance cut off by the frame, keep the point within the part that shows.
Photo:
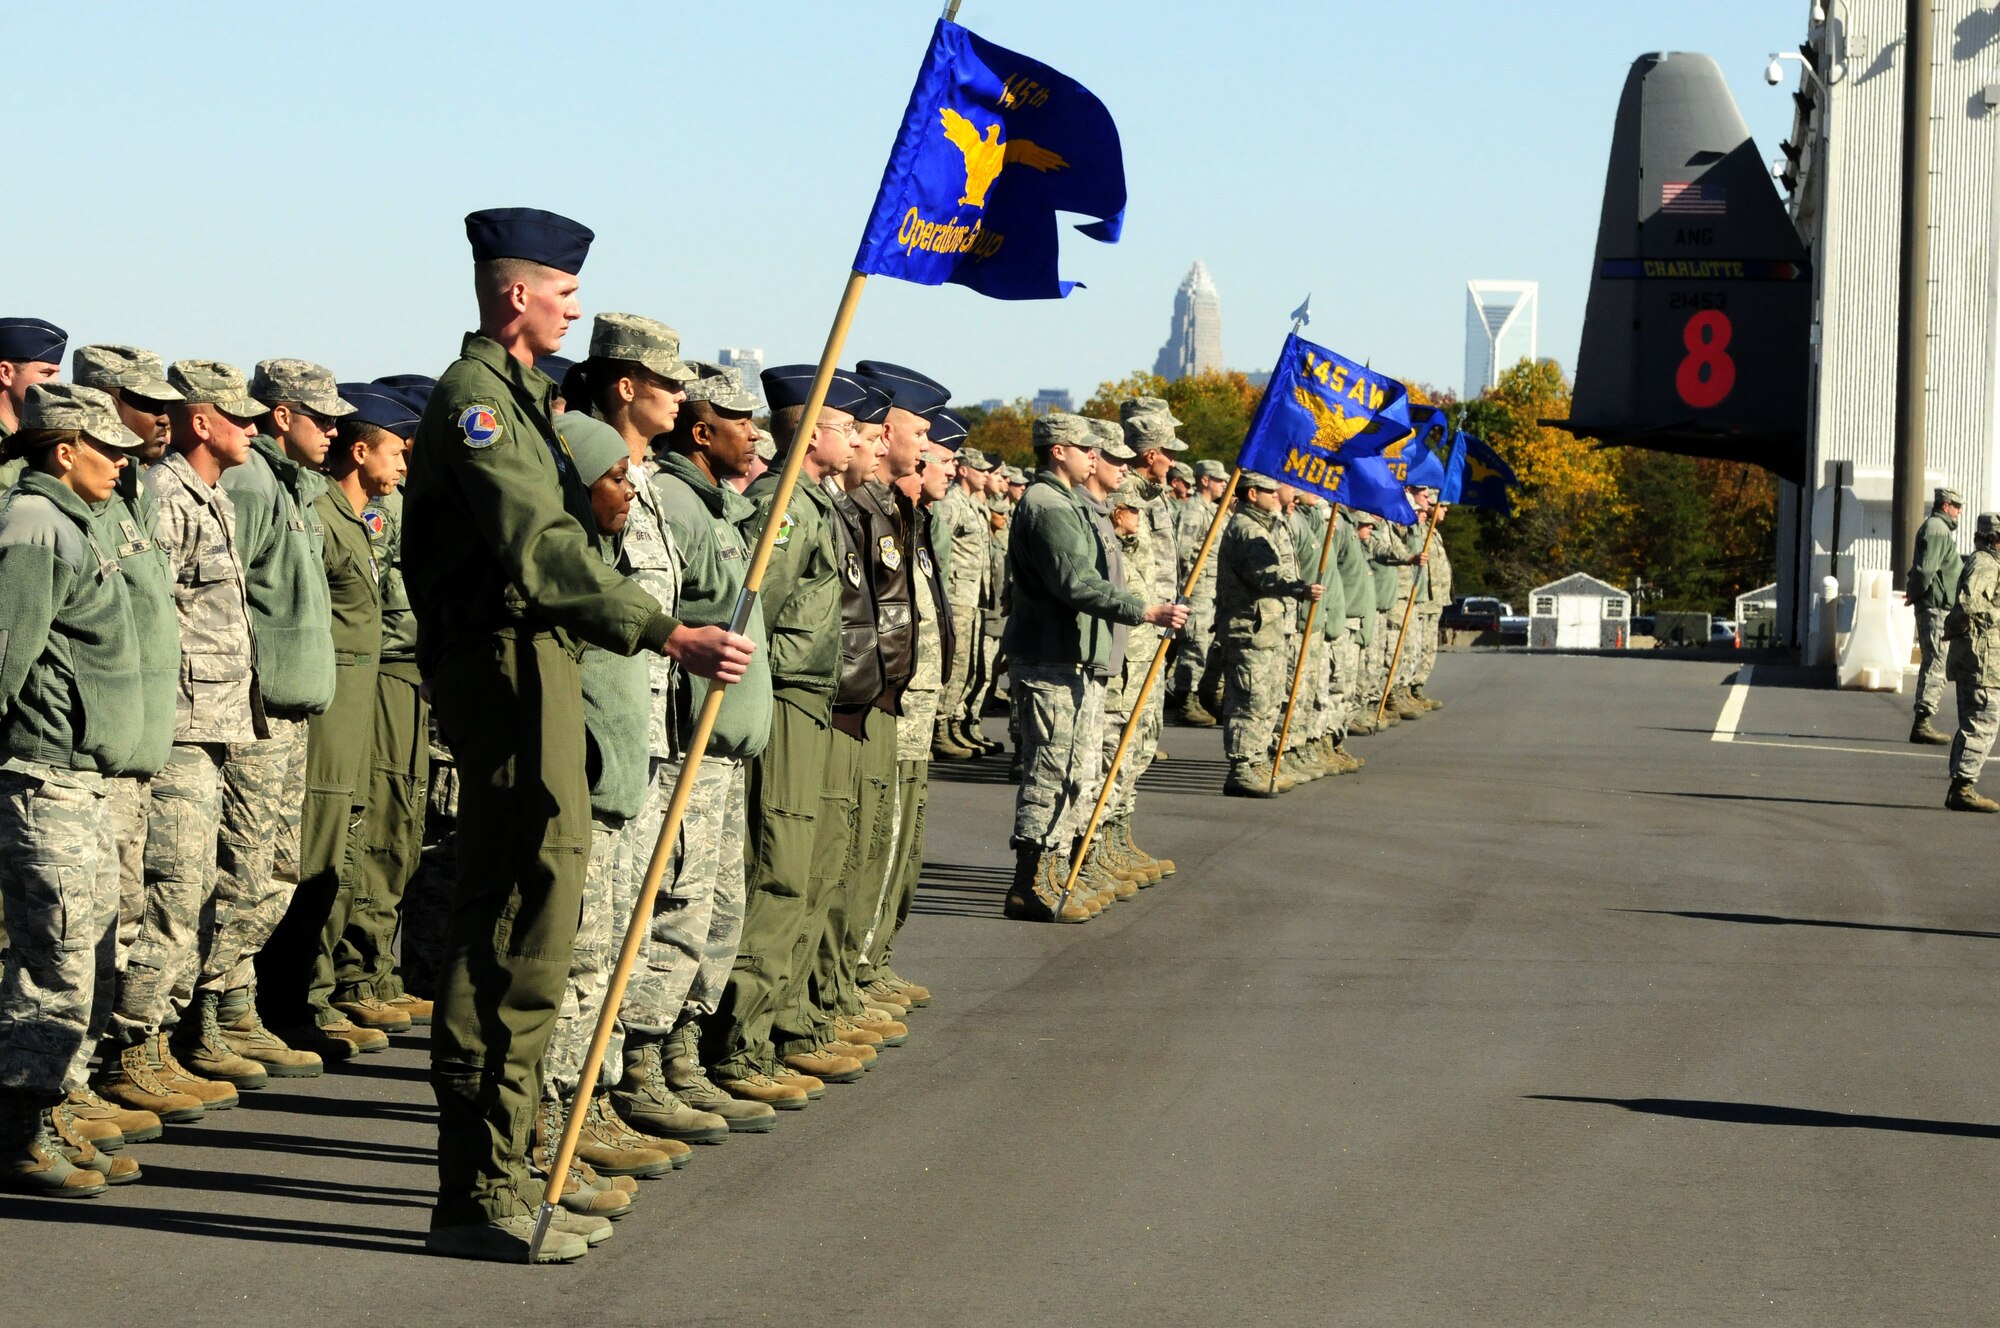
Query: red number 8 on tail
(1706,376)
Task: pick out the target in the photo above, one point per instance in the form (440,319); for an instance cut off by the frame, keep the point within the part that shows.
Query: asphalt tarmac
(1560,1012)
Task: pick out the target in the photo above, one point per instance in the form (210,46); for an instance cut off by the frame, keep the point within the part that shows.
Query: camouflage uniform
(217,707)
(1141,554)
(1437,594)
(1060,710)
(1259,571)
(1973,659)
(69,709)
(962,533)
(992,608)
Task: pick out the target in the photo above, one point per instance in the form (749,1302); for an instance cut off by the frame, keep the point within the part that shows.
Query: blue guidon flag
(1324,424)
(1483,479)
(993,145)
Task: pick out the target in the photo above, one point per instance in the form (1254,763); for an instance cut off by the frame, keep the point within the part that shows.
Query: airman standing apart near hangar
(1973,630)
(504,581)
(1430,607)
(1935,568)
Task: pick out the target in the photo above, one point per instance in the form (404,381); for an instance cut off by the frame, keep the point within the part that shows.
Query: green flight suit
(384,850)
(295,968)
(504,580)
(800,598)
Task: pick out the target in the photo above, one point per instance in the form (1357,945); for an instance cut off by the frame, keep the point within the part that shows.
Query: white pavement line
(1732,707)
(1822,747)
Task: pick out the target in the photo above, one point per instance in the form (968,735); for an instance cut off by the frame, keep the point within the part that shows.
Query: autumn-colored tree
(1214,407)
(1003,432)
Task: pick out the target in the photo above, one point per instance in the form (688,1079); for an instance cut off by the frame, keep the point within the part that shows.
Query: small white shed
(1757,617)
(1578,613)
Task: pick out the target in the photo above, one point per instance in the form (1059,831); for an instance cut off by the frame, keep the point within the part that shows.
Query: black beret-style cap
(529,234)
(907,389)
(32,340)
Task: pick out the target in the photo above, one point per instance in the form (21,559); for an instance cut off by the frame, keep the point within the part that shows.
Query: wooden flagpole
(656,869)
(1305,644)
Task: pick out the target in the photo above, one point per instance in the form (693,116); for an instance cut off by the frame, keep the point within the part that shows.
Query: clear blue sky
(251,180)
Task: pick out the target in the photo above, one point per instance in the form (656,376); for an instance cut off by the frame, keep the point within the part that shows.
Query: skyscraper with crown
(1194,344)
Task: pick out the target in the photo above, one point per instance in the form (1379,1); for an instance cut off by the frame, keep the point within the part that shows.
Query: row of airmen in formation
(237,841)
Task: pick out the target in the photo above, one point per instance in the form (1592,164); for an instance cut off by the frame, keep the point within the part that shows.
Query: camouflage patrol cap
(1149,423)
(720,385)
(1014,474)
(1988,525)
(108,368)
(1942,496)
(767,446)
(1059,428)
(85,409)
(644,341)
(1252,480)
(974,459)
(310,385)
(216,384)
(1111,441)
(1181,471)
(1210,470)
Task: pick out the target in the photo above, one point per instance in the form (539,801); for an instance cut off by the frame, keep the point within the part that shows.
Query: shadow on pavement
(985,770)
(1759,1113)
(415,1113)
(1774,733)
(961,890)
(1771,920)
(358,1149)
(160,1175)
(233,1226)
(1769,797)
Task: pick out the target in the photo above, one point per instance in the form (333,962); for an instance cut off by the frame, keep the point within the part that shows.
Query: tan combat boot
(887,995)
(135,1127)
(128,1078)
(945,745)
(673,1150)
(916,994)
(1404,704)
(1097,875)
(583,1191)
(1252,779)
(207,1054)
(1117,860)
(413,1008)
(1163,867)
(609,1147)
(648,1105)
(237,1020)
(1427,702)
(215,1095)
(87,1125)
(680,1065)
(84,1152)
(1030,899)
(340,1040)
(1966,797)
(368,1012)
(823,1064)
(32,1160)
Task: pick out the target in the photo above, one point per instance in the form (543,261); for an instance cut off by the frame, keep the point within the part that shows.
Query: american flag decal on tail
(1685,199)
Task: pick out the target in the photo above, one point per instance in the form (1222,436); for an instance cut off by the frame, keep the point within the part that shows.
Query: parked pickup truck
(1473,613)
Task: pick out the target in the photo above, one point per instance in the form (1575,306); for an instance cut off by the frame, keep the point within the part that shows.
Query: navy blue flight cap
(907,389)
(947,430)
(383,407)
(555,366)
(414,389)
(790,385)
(32,340)
(529,234)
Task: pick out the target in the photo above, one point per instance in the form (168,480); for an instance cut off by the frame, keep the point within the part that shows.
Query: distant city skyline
(1502,328)
(1194,340)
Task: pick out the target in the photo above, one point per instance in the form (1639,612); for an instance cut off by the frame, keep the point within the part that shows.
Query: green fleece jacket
(127,525)
(281,543)
(1064,604)
(704,519)
(69,657)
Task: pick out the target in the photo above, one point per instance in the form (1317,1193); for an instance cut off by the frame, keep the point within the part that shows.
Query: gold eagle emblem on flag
(986,157)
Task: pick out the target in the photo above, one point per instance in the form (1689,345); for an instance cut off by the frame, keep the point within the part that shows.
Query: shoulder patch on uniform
(374,520)
(892,557)
(924,564)
(785,530)
(480,425)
